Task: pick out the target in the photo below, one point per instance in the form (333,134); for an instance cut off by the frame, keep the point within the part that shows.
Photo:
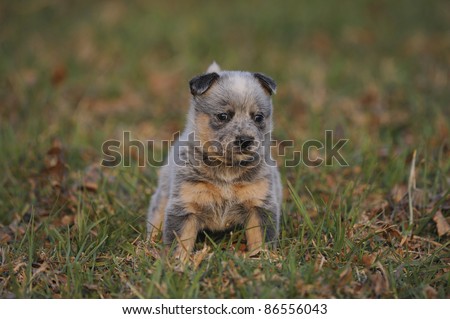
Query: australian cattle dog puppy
(219,173)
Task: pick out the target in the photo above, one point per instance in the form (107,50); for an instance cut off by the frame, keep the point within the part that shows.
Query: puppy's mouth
(239,155)
(232,155)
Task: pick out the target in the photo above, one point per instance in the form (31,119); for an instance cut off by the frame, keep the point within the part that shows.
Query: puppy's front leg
(183,227)
(253,233)
(260,228)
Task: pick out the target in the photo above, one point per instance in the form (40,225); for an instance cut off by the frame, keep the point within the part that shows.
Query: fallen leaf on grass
(374,204)
(6,235)
(443,228)
(379,283)
(399,192)
(368,259)
(55,165)
(93,176)
(19,266)
(92,287)
(320,261)
(242,248)
(39,268)
(430,292)
(345,277)
(59,74)
(67,220)
(199,256)
(259,275)
(379,280)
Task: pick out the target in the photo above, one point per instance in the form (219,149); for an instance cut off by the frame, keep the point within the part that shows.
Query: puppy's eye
(259,118)
(223,117)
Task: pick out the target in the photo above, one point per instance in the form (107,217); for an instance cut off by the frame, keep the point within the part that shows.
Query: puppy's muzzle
(244,142)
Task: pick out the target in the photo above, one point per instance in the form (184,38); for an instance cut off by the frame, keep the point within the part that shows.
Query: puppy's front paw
(181,255)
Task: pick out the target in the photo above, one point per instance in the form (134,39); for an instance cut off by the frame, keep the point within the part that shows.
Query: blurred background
(86,70)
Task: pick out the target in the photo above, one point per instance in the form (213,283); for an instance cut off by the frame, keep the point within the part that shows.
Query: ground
(74,75)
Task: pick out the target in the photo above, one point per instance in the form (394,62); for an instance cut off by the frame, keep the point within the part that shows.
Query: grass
(76,75)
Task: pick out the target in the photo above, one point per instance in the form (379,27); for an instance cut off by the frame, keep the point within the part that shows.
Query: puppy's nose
(244,141)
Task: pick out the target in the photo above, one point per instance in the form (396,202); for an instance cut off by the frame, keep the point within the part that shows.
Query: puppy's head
(232,113)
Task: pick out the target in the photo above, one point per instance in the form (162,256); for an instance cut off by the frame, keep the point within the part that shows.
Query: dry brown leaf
(242,248)
(430,292)
(199,256)
(320,261)
(55,165)
(153,252)
(379,283)
(259,275)
(419,197)
(234,273)
(40,268)
(399,192)
(404,241)
(59,74)
(68,220)
(379,280)
(375,203)
(345,277)
(443,228)
(93,176)
(368,259)
(19,266)
(92,287)
(5,235)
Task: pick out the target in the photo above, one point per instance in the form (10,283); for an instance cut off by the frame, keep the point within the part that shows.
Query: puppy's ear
(267,83)
(214,67)
(200,84)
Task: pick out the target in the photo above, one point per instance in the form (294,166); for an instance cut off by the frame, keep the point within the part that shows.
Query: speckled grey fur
(242,95)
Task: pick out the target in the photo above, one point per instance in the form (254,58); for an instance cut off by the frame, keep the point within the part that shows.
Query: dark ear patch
(200,84)
(267,83)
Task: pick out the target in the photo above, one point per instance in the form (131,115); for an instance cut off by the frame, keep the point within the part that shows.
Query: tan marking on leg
(252,194)
(253,234)
(186,239)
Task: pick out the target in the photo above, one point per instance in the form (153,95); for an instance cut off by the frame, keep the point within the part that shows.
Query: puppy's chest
(225,204)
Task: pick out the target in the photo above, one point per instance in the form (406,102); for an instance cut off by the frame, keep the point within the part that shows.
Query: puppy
(219,173)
